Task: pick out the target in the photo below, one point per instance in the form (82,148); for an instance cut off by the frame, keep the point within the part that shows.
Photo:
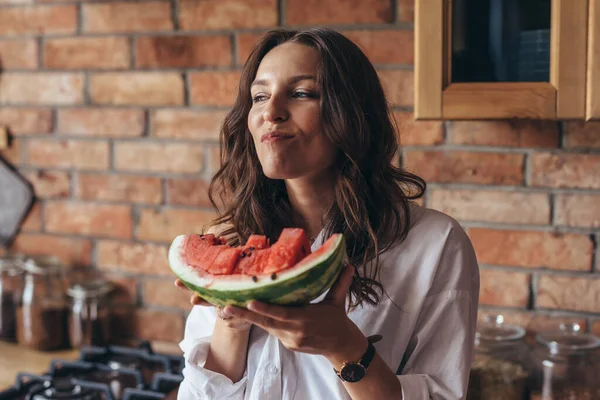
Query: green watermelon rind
(297,285)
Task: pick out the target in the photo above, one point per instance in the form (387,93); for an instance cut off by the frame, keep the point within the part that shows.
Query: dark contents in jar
(493,379)
(88,331)
(7,316)
(574,393)
(41,328)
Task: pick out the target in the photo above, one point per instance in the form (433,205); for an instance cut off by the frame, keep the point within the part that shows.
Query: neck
(308,198)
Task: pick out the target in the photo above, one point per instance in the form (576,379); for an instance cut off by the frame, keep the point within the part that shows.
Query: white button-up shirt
(427,317)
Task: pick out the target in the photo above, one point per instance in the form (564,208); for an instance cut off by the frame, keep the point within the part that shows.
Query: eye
(304,94)
(259,97)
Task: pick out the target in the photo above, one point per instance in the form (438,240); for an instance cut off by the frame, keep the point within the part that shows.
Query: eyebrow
(292,80)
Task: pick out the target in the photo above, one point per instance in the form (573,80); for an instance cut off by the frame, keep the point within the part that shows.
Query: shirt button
(271,369)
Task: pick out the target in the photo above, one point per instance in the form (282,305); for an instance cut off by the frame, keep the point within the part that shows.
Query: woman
(310,143)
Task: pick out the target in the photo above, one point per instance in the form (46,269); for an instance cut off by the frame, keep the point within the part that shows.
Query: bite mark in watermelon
(283,273)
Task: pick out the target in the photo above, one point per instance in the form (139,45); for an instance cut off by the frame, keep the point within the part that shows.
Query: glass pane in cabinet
(500,40)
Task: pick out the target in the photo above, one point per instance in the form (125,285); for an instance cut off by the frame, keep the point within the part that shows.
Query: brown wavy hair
(372,199)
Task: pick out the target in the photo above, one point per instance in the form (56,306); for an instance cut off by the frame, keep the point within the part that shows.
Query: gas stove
(104,373)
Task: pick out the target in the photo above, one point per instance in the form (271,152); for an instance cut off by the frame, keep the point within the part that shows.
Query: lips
(274,136)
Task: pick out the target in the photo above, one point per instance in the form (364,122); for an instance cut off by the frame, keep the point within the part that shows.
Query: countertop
(15,359)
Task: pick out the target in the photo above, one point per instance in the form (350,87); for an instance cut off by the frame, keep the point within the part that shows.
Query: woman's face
(285,118)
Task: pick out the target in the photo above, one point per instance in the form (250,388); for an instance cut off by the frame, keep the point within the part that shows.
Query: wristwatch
(355,371)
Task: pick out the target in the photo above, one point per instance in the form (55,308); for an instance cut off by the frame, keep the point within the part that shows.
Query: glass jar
(11,285)
(89,320)
(41,313)
(566,365)
(502,362)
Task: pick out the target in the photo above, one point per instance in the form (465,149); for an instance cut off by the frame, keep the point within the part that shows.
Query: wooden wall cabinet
(571,92)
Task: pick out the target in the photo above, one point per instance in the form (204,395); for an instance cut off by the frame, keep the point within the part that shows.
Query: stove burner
(103,373)
(63,389)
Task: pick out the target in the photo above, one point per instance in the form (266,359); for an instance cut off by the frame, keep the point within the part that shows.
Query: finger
(280,313)
(339,290)
(198,301)
(263,321)
(180,284)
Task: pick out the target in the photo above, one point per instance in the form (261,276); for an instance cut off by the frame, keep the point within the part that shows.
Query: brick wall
(115,109)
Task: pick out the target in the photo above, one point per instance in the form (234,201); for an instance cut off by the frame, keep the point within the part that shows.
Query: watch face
(353,372)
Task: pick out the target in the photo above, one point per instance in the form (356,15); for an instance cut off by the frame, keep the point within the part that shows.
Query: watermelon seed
(274,276)
(251,248)
(242,254)
(254,279)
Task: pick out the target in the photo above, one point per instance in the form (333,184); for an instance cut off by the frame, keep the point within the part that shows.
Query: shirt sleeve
(200,383)
(438,358)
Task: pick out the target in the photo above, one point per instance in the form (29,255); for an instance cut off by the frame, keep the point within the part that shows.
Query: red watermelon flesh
(209,254)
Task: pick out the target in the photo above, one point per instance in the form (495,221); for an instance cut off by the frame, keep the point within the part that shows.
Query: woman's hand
(223,317)
(322,328)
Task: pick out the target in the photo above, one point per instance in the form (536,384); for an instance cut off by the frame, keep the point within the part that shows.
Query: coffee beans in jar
(41,312)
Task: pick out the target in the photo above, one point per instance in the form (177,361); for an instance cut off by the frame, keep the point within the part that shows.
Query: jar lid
(43,265)
(12,263)
(91,289)
(567,339)
(494,329)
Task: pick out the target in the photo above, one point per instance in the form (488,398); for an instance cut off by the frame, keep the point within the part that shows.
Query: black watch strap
(368,356)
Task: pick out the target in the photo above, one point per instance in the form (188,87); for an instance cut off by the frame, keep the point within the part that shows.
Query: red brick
(88,219)
(492,206)
(50,184)
(163,293)
(137,88)
(540,134)
(186,124)
(566,170)
(567,251)
(38,20)
(580,210)
(385,46)
(398,86)
(23,121)
(214,88)
(13,153)
(466,167)
(579,134)
(159,325)
(19,53)
(314,12)
(68,153)
(163,225)
(214,159)
(127,17)
(71,251)
(82,52)
(504,288)
(159,157)
(569,293)
(105,122)
(33,220)
(126,188)
(227,14)
(405,10)
(188,192)
(424,133)
(245,44)
(52,88)
(183,51)
(136,258)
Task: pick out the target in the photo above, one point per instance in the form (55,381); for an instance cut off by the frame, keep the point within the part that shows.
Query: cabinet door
(593,72)
(449,83)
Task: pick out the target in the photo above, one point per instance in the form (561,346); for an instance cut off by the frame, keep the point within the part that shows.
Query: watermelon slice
(286,272)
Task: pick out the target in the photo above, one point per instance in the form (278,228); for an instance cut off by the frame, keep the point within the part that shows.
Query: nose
(276,110)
